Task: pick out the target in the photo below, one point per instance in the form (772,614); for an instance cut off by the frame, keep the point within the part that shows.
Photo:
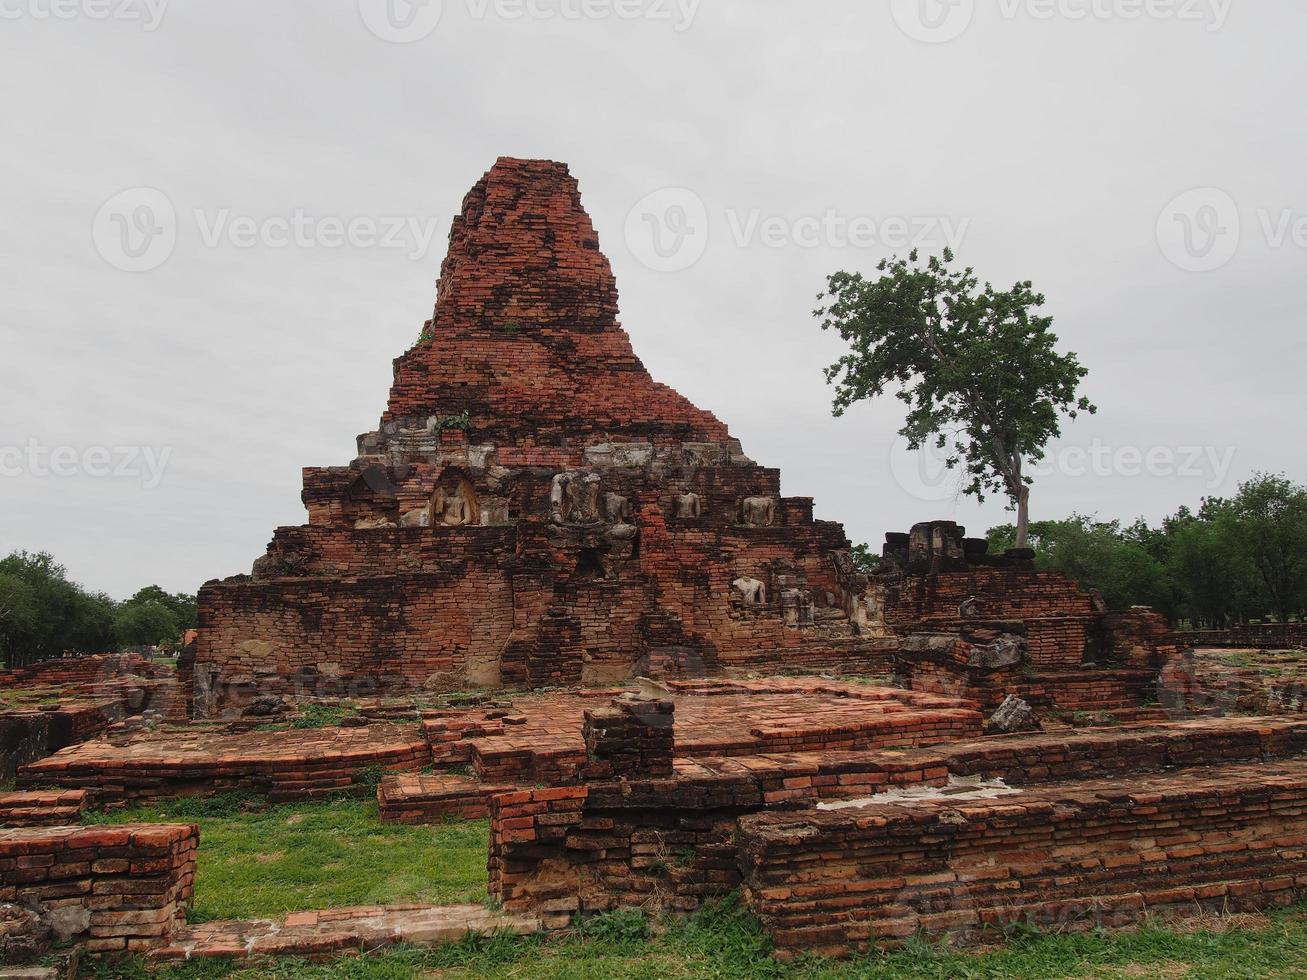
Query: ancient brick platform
(113,888)
(336,932)
(284,765)
(1071,856)
(534,509)
(671,842)
(540,738)
(42,808)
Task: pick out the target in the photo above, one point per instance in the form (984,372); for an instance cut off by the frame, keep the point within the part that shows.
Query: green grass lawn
(258,862)
(262,863)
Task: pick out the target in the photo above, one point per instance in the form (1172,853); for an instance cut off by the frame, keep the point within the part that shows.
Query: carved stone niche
(689,506)
(574,498)
(750,591)
(370,503)
(454,503)
(758,511)
(797,607)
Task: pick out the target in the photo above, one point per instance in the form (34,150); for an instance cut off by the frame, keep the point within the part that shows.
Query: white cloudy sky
(1055,138)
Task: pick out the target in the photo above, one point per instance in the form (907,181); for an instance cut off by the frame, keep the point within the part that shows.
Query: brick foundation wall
(1071,857)
(126,886)
(670,842)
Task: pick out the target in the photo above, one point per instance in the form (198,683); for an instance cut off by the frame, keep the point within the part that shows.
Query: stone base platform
(42,808)
(1072,856)
(340,931)
(286,765)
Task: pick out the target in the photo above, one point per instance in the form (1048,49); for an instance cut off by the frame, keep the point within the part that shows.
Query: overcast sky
(177,179)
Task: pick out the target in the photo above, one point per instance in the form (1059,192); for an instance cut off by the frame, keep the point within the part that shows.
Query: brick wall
(1073,857)
(1266,636)
(121,888)
(670,842)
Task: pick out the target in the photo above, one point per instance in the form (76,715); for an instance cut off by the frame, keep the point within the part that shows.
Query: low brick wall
(122,888)
(1269,636)
(1077,856)
(670,842)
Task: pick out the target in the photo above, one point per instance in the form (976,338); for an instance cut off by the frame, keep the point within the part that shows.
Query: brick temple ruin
(535,510)
(552,593)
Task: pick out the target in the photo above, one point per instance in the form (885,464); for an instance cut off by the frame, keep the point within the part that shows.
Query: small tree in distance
(977,368)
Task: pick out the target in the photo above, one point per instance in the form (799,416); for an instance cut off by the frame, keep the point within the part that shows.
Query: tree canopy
(43,614)
(977,367)
(1232,560)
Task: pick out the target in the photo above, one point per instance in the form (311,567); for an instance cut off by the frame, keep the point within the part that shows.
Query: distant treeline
(44,615)
(1233,561)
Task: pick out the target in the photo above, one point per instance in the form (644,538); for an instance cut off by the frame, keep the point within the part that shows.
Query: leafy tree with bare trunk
(977,367)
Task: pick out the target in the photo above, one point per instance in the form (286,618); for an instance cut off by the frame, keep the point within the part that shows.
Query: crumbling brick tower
(534,509)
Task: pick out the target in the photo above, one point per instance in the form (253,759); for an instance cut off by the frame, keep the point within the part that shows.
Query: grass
(724,943)
(258,862)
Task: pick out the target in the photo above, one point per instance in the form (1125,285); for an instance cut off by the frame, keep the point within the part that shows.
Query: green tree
(1269,518)
(146,623)
(1215,584)
(977,367)
(49,614)
(1098,555)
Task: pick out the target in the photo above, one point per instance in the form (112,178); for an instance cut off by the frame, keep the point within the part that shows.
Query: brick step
(340,931)
(42,808)
(1074,855)
(419,799)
